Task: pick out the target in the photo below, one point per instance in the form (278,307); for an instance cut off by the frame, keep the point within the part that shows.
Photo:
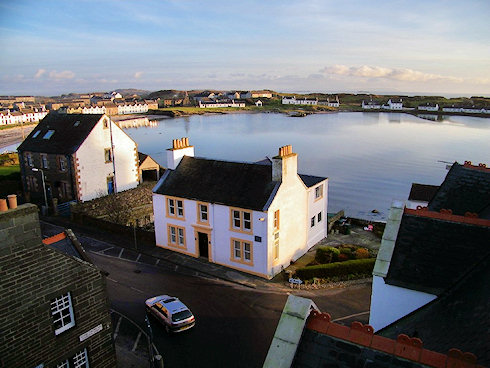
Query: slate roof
(422,192)
(431,254)
(67,137)
(320,350)
(458,318)
(67,243)
(235,184)
(465,189)
(142,157)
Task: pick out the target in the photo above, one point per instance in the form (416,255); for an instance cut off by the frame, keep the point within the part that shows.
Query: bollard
(12,201)
(158,361)
(3,205)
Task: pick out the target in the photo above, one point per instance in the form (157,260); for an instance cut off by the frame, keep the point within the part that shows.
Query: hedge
(356,266)
(326,254)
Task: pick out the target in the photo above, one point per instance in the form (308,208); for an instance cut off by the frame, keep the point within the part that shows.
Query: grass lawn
(7,170)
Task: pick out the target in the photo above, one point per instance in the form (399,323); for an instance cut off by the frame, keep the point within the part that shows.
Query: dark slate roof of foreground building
(457,318)
(307,338)
(236,184)
(422,192)
(465,189)
(70,131)
(432,253)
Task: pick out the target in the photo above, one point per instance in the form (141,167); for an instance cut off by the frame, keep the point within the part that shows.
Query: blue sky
(54,47)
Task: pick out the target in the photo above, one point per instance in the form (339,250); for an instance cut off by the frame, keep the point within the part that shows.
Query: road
(234,324)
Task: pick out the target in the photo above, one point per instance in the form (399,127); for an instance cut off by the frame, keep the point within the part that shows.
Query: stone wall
(32,275)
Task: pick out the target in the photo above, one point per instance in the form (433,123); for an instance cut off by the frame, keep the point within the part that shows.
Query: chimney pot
(12,201)
(3,205)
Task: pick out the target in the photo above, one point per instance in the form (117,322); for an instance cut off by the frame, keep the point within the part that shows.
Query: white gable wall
(93,170)
(390,303)
(291,201)
(316,206)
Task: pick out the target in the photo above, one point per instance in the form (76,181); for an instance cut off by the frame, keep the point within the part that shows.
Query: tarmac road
(234,324)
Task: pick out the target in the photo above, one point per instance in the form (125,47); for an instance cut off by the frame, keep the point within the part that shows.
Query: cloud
(400,74)
(66,74)
(138,75)
(40,73)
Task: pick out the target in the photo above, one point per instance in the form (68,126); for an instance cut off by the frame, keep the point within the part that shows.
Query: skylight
(77,123)
(36,134)
(49,134)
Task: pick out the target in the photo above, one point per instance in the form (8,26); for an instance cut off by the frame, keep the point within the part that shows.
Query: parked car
(171,312)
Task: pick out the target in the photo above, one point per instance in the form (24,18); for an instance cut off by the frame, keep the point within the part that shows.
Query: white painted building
(83,156)
(94,109)
(220,103)
(452,108)
(333,102)
(393,105)
(131,108)
(428,107)
(253,217)
(256,94)
(294,101)
(8,117)
(370,105)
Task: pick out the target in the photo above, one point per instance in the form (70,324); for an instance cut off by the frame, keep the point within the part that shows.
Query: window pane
(319,217)
(313,221)
(247,251)
(173,237)
(246,220)
(181,236)
(236,219)
(237,249)
(171,207)
(203,210)
(180,208)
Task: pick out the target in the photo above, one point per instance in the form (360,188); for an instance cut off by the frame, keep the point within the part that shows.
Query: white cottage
(253,217)
(79,157)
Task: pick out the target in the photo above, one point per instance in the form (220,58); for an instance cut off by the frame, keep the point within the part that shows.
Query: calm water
(370,158)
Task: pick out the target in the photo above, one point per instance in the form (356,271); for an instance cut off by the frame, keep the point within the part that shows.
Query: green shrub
(357,266)
(348,251)
(326,255)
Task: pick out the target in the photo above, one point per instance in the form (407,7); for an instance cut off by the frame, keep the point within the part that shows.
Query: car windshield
(179,316)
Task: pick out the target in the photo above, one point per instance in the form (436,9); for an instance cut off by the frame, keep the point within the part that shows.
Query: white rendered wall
(292,202)
(222,235)
(92,168)
(320,230)
(413,204)
(390,303)
(174,155)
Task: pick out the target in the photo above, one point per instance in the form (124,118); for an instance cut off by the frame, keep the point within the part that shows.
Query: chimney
(285,164)
(180,148)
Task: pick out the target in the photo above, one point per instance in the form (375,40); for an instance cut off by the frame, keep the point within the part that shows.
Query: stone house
(53,308)
(77,157)
(253,217)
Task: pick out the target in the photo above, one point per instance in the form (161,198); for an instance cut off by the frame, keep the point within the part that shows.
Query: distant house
(452,108)
(204,95)
(393,105)
(54,301)
(233,95)
(471,109)
(429,250)
(256,94)
(152,104)
(428,107)
(79,157)
(131,107)
(258,103)
(253,217)
(26,115)
(333,102)
(220,103)
(371,105)
(294,101)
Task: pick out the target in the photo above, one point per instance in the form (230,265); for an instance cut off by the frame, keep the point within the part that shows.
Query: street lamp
(44,186)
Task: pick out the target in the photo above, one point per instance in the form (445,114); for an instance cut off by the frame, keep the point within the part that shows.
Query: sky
(416,47)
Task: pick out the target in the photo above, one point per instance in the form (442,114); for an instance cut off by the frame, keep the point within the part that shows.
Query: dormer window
(49,134)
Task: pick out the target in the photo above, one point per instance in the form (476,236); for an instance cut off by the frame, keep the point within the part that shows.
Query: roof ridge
(405,347)
(469,218)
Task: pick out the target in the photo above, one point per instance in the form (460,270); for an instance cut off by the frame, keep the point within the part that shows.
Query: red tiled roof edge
(54,238)
(410,348)
(480,166)
(447,215)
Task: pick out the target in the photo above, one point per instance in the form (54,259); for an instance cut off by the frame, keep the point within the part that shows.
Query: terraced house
(253,217)
(77,157)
